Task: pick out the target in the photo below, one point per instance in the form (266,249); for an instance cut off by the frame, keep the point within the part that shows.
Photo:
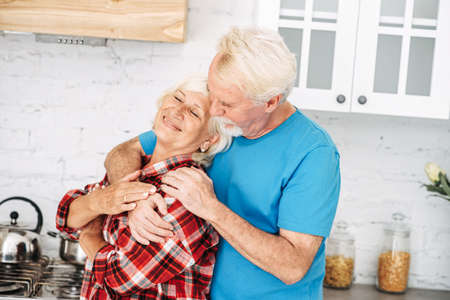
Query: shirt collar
(164,166)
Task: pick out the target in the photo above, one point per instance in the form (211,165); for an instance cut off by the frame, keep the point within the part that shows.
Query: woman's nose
(179,112)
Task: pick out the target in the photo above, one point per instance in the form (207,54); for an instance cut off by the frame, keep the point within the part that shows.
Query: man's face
(229,102)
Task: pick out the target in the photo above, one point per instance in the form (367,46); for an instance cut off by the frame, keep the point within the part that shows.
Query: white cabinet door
(322,34)
(402,64)
(371,56)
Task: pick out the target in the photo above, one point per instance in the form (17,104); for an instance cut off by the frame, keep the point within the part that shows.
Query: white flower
(432,170)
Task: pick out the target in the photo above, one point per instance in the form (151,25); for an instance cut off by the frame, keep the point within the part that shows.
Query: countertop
(369,292)
(357,292)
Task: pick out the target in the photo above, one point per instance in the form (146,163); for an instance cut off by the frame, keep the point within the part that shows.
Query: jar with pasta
(340,258)
(394,257)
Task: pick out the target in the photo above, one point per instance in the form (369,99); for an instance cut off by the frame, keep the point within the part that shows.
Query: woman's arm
(116,265)
(91,239)
(79,207)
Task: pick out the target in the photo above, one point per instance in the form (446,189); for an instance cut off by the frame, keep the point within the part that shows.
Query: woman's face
(181,123)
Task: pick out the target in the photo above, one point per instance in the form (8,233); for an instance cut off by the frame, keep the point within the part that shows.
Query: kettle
(18,244)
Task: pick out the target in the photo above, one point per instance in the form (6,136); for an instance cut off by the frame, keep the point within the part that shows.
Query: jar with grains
(394,257)
(340,258)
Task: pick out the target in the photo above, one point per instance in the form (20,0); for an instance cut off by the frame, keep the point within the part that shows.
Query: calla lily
(432,170)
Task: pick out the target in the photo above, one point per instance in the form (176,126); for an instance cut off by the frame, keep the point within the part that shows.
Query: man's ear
(273,103)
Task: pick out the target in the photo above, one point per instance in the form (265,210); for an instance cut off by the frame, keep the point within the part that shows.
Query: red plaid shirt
(181,268)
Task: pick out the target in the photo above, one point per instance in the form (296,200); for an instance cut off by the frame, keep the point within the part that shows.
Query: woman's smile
(168,123)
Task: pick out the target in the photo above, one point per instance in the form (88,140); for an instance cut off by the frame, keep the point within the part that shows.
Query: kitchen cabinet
(367,56)
(148,20)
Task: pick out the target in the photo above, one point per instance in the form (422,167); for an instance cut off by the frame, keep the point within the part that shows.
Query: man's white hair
(216,126)
(258,62)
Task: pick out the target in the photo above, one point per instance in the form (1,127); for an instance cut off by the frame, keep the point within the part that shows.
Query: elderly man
(272,196)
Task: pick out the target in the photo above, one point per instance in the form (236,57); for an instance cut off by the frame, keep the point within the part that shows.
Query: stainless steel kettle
(18,244)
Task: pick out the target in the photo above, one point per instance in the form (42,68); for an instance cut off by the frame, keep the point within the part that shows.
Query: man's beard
(229,127)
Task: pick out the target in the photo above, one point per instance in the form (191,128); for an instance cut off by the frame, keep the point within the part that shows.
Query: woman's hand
(121,196)
(146,224)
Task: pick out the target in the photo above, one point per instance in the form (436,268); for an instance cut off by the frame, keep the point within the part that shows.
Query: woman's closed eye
(195,114)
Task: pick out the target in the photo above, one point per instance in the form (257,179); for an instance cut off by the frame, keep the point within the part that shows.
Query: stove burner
(71,292)
(46,278)
(9,287)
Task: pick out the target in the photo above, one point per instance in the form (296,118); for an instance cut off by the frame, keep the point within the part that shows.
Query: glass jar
(340,258)
(394,257)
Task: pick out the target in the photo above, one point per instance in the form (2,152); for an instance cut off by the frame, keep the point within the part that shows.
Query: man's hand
(121,196)
(147,225)
(193,188)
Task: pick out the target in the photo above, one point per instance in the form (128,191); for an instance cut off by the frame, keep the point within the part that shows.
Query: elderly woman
(180,267)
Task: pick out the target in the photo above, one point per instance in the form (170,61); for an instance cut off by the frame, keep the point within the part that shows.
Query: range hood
(146,20)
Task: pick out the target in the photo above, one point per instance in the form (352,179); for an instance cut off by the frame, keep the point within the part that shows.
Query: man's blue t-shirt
(289,178)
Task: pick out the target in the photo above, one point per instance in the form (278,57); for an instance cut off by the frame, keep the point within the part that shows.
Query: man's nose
(216,109)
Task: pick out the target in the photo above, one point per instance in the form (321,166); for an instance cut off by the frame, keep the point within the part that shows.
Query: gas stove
(46,279)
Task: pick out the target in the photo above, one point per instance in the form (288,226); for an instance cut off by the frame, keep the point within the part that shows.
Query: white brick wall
(62,108)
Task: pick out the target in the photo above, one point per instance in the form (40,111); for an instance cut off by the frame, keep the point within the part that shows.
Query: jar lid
(341,232)
(398,223)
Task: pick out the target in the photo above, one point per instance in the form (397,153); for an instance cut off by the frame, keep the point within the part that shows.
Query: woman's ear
(209,142)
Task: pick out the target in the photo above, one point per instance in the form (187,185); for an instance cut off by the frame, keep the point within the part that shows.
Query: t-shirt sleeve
(309,200)
(148,141)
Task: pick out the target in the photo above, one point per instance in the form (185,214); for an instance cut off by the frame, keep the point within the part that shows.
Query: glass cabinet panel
(321,58)
(326,6)
(293,38)
(426,9)
(292,10)
(293,4)
(392,8)
(420,66)
(387,66)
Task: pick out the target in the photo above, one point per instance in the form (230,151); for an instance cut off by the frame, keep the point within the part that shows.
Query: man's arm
(287,255)
(124,159)
(306,211)
(145,224)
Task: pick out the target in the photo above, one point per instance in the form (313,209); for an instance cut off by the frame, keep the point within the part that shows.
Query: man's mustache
(229,127)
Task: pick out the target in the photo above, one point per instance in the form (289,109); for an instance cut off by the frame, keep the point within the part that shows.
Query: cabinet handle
(340,99)
(362,100)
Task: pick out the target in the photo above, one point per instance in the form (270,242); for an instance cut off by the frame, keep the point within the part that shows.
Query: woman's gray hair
(258,62)
(216,126)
